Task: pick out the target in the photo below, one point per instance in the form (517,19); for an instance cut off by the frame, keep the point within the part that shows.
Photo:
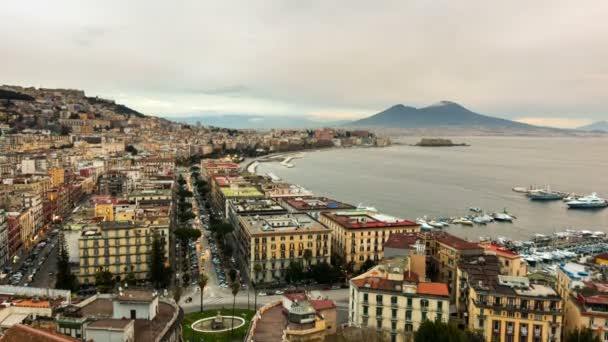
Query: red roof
(434,289)
(401,241)
(603,256)
(323,304)
(456,242)
(299,296)
(376,283)
(500,250)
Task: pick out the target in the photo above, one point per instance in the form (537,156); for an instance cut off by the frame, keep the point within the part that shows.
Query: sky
(542,62)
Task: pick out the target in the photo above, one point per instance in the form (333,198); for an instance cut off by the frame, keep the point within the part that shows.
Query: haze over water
(411,182)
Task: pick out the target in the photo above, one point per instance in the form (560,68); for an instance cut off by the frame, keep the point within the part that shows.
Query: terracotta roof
(500,250)
(32,304)
(348,221)
(376,283)
(596,299)
(20,333)
(456,242)
(296,296)
(323,304)
(434,289)
(402,241)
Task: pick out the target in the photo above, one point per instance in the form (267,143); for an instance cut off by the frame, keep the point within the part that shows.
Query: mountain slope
(601,126)
(444,114)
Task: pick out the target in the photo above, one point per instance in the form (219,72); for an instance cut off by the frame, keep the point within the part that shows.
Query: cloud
(555,122)
(513,58)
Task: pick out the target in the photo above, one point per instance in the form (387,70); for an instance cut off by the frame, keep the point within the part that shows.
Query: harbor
(572,200)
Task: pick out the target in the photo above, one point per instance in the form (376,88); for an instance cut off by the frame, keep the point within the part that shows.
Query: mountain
(444,114)
(256,121)
(599,126)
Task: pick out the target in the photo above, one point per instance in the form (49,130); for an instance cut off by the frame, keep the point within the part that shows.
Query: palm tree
(307,257)
(202,282)
(235,286)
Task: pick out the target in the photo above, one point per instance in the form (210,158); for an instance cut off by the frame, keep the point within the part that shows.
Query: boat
(524,189)
(588,202)
(483,219)
(475,209)
(544,195)
(502,217)
(464,221)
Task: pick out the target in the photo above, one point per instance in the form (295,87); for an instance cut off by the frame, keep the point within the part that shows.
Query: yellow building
(508,308)
(119,247)
(359,235)
(511,263)
(57,176)
(601,259)
(587,309)
(272,242)
(389,298)
(105,209)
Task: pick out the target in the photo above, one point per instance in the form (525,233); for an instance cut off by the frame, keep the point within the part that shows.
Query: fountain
(217,323)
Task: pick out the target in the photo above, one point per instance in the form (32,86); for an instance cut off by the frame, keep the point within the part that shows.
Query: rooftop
(456,242)
(433,289)
(241,191)
(401,241)
(316,203)
(110,323)
(20,333)
(499,250)
(136,296)
(244,206)
(361,219)
(283,223)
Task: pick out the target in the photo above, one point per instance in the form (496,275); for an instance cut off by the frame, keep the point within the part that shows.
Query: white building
(135,304)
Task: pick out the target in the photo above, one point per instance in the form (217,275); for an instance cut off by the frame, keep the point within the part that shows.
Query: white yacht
(588,202)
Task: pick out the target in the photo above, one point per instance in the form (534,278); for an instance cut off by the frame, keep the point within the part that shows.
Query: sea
(412,182)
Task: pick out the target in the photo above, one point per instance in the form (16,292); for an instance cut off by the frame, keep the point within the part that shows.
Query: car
(262,294)
(278,292)
(335,287)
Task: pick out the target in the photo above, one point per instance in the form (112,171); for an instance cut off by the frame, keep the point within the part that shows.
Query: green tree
(235,286)
(187,234)
(367,265)
(159,272)
(439,332)
(308,257)
(294,272)
(131,280)
(65,279)
(104,280)
(202,282)
(582,335)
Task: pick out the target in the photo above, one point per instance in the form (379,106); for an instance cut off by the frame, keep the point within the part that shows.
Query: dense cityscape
(121,226)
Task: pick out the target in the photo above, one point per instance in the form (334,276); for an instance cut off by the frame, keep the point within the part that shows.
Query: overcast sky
(541,61)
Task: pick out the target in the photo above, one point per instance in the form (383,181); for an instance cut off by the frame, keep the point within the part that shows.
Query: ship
(588,202)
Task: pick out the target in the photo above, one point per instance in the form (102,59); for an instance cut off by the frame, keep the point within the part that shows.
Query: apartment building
(274,241)
(511,262)
(359,235)
(119,247)
(509,308)
(587,307)
(390,298)
(4,238)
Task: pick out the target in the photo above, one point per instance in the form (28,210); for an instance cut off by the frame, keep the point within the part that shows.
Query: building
(446,251)
(113,183)
(410,246)
(389,298)
(587,307)
(513,309)
(248,207)
(284,190)
(313,206)
(359,235)
(301,318)
(511,262)
(271,242)
(21,332)
(4,239)
(119,247)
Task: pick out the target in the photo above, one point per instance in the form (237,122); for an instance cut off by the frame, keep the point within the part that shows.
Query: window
(439,317)
(409,302)
(365,310)
(379,299)
(439,305)
(424,317)
(378,312)
(424,303)
(408,315)
(393,300)
(394,313)
(379,324)
(365,297)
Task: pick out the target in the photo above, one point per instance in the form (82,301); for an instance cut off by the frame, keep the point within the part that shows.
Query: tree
(307,256)
(368,264)
(582,335)
(324,273)
(65,279)
(131,280)
(439,331)
(235,286)
(202,282)
(257,269)
(104,280)
(177,294)
(186,234)
(159,272)
(222,229)
(294,272)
